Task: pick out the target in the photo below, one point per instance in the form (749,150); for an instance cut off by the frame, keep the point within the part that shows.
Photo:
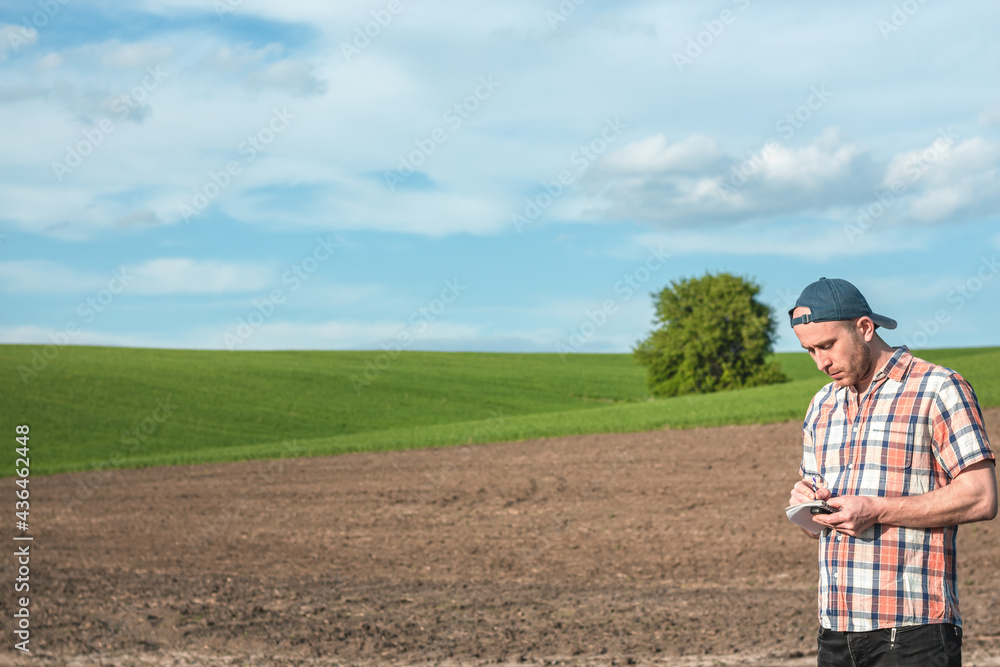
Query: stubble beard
(859,366)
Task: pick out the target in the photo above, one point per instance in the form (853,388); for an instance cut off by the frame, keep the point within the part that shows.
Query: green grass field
(93,407)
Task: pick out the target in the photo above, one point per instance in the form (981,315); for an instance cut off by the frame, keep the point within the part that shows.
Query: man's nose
(822,361)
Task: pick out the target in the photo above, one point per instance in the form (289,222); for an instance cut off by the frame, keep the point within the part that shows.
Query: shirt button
(836,575)
(855,429)
(850,465)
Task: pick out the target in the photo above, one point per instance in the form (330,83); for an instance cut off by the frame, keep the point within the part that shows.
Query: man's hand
(854,514)
(803,492)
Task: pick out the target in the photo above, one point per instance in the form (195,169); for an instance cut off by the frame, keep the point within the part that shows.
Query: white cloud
(940,203)
(948,179)
(87,98)
(75,214)
(134,54)
(378,336)
(266,68)
(831,178)
(222,89)
(827,161)
(296,76)
(943,161)
(99,61)
(656,154)
(820,241)
(49,61)
(366,204)
(45,277)
(157,276)
(187,276)
(831,171)
(35,335)
(334,335)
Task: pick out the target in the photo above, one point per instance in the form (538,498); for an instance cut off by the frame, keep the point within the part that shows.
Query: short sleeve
(960,438)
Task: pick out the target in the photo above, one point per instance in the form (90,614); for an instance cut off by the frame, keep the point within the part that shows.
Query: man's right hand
(803,492)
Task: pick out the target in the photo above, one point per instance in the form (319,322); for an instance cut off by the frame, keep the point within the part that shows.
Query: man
(897,447)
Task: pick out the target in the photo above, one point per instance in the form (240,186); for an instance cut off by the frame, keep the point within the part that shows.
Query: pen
(815,489)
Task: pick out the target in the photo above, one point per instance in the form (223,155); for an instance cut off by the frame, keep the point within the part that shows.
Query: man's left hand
(854,514)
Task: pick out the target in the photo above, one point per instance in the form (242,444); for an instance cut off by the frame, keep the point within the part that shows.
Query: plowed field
(666,547)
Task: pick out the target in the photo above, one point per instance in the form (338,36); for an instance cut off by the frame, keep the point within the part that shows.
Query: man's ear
(865,328)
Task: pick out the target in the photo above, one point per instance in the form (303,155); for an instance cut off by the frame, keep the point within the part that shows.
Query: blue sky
(514,176)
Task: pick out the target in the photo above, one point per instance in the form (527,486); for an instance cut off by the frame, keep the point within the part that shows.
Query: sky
(507,176)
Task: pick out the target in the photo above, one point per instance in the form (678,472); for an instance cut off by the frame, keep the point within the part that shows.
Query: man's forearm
(972,496)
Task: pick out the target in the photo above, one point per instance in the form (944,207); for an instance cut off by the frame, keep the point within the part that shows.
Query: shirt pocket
(889,444)
(831,451)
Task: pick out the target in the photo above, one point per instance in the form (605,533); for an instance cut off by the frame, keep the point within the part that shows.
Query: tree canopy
(713,334)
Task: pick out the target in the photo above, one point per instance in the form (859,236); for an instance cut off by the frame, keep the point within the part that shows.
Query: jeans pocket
(831,648)
(936,645)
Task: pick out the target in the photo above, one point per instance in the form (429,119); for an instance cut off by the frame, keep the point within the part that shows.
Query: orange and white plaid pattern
(915,428)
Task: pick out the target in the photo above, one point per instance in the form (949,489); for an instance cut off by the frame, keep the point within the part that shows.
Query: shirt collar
(895,369)
(897,366)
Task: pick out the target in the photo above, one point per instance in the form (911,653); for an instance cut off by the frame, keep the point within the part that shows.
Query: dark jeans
(937,645)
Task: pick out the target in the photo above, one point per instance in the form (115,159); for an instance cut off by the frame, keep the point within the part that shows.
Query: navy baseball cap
(833,299)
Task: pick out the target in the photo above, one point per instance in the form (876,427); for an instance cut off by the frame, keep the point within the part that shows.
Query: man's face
(837,348)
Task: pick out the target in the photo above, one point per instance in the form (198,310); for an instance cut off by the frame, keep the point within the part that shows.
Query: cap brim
(883,321)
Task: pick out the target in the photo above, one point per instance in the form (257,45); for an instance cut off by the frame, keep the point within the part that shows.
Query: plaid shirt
(915,428)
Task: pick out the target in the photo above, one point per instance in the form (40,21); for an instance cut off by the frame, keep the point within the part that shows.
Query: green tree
(713,335)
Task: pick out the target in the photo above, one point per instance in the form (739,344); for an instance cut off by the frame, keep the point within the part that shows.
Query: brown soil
(667,547)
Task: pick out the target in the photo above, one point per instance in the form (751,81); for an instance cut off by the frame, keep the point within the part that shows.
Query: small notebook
(801,515)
